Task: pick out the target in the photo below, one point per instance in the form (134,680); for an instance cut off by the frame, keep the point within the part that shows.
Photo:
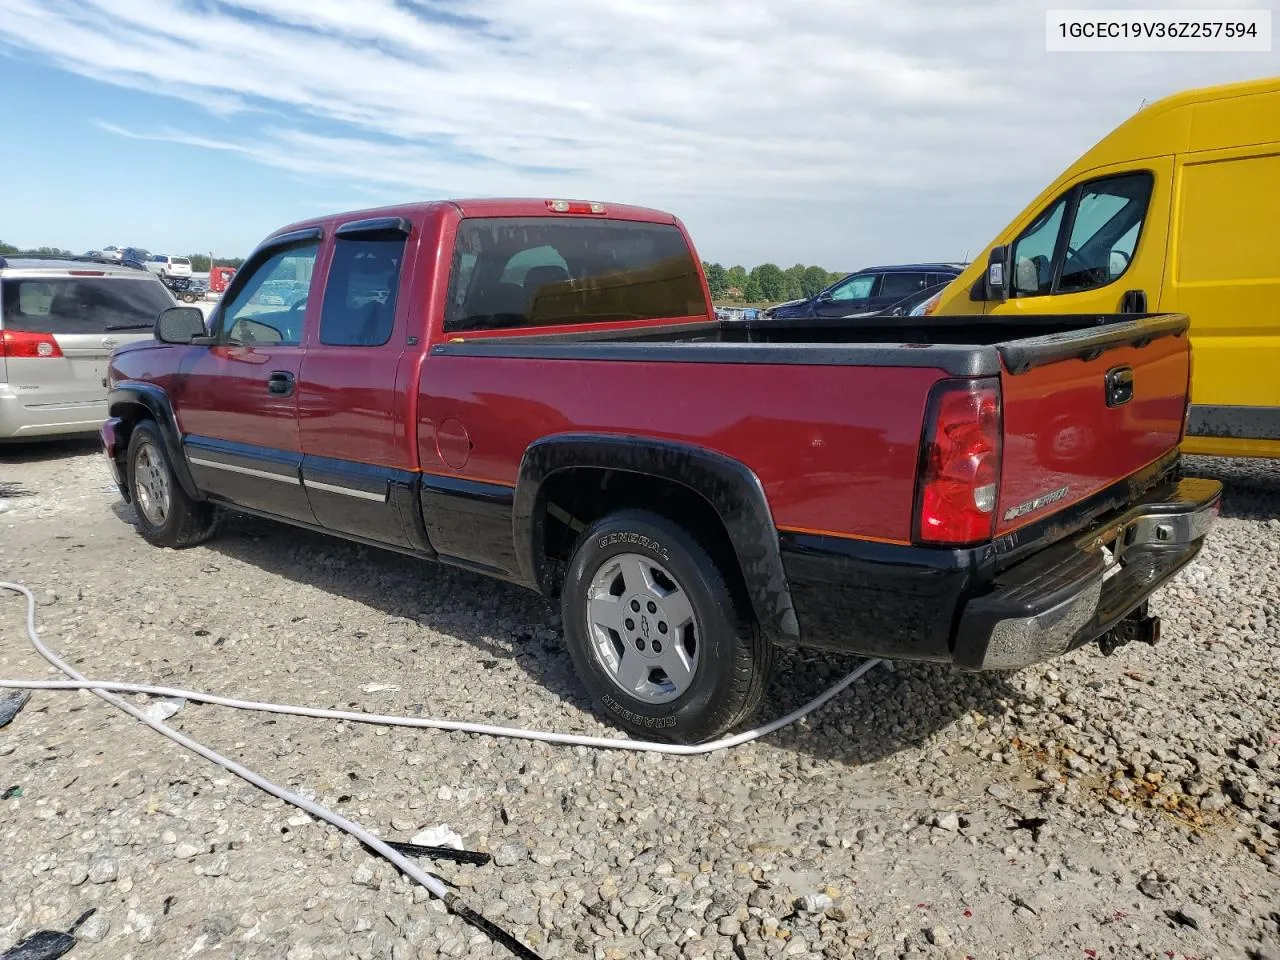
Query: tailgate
(1085,409)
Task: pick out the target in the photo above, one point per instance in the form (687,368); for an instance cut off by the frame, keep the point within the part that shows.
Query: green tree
(737,279)
(717,280)
(813,282)
(770,282)
(8,248)
(751,291)
(794,282)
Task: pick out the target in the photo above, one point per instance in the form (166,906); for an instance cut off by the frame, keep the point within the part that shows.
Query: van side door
(1224,273)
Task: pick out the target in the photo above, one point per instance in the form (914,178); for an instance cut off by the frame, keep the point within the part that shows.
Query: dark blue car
(869,290)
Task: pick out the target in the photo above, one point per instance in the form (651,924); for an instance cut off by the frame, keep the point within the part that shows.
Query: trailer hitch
(1138,626)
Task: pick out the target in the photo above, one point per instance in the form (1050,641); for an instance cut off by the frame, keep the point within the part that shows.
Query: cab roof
(484,207)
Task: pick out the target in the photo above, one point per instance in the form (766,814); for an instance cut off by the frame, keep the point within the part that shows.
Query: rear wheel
(167,517)
(657,636)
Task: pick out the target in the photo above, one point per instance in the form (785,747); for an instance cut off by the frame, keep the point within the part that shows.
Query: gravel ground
(1093,807)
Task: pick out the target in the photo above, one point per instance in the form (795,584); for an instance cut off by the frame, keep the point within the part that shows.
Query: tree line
(200,262)
(767,283)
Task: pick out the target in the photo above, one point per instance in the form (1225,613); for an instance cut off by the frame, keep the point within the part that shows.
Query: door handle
(280,383)
(1134,301)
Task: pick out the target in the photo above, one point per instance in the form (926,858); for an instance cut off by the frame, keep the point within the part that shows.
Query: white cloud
(821,130)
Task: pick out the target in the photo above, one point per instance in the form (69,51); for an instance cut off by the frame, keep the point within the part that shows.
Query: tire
(689,689)
(167,517)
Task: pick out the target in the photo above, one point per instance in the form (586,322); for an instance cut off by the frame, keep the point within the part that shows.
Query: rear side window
(899,285)
(360,295)
(82,304)
(539,271)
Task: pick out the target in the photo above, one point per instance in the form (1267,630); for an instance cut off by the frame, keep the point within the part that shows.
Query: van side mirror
(824,296)
(179,325)
(998,274)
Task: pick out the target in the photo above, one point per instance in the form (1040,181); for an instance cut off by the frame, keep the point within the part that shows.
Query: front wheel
(659,639)
(167,517)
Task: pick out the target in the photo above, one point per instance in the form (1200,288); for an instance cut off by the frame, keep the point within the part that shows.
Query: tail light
(21,343)
(574,206)
(959,480)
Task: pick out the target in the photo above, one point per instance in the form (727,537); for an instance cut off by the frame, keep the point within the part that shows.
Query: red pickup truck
(539,391)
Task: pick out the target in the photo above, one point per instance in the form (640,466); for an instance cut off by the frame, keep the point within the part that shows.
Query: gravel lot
(1095,807)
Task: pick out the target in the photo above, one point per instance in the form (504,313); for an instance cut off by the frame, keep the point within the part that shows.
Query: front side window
(855,288)
(270,307)
(360,295)
(1102,221)
(543,271)
(1033,253)
(1108,219)
(83,304)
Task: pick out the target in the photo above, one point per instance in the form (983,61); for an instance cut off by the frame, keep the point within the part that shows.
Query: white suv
(60,318)
(169,266)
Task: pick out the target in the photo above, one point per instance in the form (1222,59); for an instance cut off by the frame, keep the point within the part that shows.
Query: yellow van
(1177,209)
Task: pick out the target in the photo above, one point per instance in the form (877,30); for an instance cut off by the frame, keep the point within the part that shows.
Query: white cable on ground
(107,689)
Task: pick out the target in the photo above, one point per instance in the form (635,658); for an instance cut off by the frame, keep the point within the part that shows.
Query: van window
(1105,220)
(360,295)
(1108,219)
(82,305)
(542,271)
(1033,252)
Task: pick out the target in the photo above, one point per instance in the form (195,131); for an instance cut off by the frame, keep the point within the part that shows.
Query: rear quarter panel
(834,446)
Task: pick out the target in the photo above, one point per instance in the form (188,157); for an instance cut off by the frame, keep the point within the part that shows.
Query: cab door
(237,403)
(1098,247)
(358,465)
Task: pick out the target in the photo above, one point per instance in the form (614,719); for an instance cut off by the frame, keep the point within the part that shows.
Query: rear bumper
(913,603)
(20,418)
(1074,593)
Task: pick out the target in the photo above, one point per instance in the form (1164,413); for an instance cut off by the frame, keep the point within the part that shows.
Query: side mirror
(824,296)
(179,325)
(998,274)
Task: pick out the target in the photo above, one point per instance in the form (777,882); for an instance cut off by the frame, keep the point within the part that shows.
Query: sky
(832,132)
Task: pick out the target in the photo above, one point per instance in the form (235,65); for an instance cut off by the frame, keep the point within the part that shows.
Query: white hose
(107,689)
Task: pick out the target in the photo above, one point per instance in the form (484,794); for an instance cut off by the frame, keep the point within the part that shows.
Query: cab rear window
(539,271)
(81,304)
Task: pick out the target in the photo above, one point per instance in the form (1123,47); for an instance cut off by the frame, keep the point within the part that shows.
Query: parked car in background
(112,252)
(197,289)
(545,396)
(167,266)
(869,290)
(60,318)
(135,255)
(907,305)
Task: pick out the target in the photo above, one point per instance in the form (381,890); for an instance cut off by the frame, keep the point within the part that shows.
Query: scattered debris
(162,708)
(11,704)
(439,836)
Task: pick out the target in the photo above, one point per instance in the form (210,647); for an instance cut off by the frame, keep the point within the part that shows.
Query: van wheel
(167,517)
(663,645)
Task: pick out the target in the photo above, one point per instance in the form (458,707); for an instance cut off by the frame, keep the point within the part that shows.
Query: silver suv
(60,318)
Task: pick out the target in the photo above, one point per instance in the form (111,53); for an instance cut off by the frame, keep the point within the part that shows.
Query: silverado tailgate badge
(1031,506)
